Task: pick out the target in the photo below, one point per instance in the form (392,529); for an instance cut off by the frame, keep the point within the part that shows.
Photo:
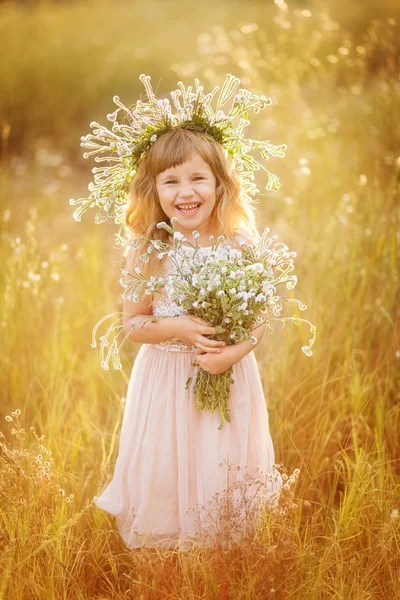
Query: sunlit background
(332,72)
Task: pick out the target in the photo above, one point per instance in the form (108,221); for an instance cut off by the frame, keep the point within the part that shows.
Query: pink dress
(173,460)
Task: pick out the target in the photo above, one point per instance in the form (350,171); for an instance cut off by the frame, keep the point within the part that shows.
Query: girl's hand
(215,363)
(192,330)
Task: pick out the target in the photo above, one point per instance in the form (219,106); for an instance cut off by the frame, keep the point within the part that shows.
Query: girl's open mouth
(188,209)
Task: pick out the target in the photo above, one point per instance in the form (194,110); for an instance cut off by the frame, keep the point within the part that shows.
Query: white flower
(153,138)
(232,291)
(256,267)
(160,255)
(138,271)
(265,285)
(220,293)
(221,116)
(260,298)
(179,236)
(195,234)
(159,225)
(253,339)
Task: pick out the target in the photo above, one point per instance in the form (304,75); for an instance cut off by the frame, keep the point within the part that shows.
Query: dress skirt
(172,458)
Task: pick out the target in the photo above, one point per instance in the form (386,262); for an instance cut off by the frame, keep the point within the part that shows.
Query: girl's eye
(173,180)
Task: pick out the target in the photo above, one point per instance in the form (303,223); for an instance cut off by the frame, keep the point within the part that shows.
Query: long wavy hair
(231,212)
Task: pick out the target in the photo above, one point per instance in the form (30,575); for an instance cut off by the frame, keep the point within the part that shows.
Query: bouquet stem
(213,391)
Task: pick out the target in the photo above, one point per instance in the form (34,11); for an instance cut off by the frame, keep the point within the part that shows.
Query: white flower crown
(127,143)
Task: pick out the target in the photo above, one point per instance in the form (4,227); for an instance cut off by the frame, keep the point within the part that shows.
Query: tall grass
(334,416)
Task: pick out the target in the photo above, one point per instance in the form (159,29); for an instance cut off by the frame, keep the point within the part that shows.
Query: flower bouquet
(234,290)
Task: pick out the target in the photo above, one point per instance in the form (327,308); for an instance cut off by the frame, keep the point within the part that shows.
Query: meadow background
(332,71)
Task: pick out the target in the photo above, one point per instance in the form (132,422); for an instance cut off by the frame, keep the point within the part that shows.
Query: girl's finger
(213,343)
(208,348)
(210,329)
(200,320)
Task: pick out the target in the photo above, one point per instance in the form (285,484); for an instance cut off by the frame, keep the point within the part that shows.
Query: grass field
(333,78)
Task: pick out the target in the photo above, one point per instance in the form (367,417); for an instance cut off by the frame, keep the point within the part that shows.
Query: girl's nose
(186,191)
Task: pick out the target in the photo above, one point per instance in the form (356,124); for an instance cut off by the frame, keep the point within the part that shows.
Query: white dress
(173,461)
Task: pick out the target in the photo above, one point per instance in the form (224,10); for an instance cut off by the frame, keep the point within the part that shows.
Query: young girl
(172,457)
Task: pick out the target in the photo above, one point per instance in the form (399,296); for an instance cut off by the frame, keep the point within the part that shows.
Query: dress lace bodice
(162,305)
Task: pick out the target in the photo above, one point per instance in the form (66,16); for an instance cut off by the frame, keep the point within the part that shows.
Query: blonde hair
(231,212)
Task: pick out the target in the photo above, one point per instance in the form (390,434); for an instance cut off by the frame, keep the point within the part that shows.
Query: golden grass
(334,416)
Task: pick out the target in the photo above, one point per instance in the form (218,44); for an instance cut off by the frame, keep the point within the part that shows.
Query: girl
(172,457)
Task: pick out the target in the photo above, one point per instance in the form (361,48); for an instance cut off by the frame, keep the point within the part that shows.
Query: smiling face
(187,191)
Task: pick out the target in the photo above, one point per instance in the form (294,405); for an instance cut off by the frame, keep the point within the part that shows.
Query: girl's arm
(145,331)
(237,351)
(230,355)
